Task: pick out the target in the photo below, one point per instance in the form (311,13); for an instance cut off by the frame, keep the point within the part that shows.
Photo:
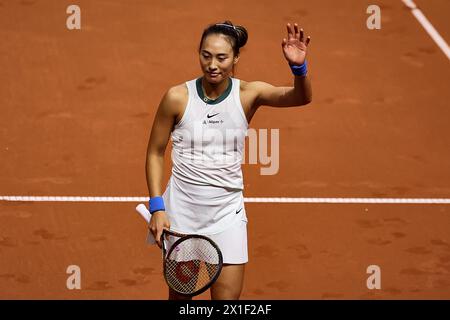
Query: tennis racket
(191,262)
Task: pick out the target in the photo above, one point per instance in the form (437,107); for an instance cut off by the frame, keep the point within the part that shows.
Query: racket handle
(142,209)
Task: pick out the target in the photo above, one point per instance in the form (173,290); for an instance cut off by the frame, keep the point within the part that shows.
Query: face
(217,58)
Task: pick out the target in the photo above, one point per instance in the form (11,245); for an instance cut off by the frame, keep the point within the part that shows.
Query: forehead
(217,43)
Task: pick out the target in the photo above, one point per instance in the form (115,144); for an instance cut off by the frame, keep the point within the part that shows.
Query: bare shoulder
(174,100)
(177,94)
(250,92)
(254,86)
(250,89)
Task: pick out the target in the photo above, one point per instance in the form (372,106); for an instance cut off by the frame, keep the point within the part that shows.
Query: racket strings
(192,265)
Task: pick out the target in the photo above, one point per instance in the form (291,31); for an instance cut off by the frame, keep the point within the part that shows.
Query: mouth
(213,74)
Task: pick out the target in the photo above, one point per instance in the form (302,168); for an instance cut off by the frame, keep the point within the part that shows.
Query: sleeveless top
(204,194)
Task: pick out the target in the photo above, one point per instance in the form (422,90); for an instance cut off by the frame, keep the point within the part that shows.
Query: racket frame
(183,237)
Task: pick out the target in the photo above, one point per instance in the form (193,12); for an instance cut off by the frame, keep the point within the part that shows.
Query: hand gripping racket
(192,263)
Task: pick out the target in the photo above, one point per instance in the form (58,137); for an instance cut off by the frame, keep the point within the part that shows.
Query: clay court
(76,113)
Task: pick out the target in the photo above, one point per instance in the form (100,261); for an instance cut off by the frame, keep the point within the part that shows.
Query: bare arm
(294,50)
(269,95)
(154,167)
(159,137)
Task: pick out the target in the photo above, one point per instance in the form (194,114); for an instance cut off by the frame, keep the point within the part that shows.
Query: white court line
(428,27)
(250,200)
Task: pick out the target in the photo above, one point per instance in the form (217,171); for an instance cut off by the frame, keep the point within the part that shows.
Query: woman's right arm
(165,118)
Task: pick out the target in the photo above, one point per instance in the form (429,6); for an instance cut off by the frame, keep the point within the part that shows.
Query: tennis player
(207,119)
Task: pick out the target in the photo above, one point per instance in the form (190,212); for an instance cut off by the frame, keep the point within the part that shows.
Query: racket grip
(142,209)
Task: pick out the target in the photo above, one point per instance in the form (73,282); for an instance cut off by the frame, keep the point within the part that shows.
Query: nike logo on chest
(212,115)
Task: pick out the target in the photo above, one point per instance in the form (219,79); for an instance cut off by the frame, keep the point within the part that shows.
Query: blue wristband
(299,70)
(156,204)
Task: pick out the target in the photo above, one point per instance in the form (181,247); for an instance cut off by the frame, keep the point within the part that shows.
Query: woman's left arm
(294,50)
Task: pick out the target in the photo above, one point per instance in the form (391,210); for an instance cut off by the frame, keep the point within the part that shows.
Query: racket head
(192,263)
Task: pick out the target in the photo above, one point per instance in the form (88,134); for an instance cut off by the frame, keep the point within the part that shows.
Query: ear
(235,59)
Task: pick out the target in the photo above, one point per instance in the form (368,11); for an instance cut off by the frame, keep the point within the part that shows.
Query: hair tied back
(226,25)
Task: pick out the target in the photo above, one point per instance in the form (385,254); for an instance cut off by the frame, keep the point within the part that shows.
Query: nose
(212,65)
(212,68)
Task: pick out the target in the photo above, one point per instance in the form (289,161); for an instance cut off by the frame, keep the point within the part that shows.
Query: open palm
(294,47)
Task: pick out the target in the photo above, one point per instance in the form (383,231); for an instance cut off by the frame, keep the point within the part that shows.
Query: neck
(214,90)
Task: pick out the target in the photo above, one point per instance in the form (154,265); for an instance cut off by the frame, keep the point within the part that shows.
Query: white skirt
(216,212)
(202,209)
(232,243)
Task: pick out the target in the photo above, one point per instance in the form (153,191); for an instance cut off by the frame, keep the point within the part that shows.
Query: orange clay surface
(77,108)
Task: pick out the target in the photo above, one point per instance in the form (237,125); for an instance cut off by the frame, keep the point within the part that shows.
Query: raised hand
(294,47)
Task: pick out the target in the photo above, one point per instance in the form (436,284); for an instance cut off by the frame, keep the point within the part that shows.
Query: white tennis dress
(204,194)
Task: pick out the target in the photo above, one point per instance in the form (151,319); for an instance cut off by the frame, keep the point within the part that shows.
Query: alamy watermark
(74,20)
(74,280)
(374,280)
(374,20)
(227,147)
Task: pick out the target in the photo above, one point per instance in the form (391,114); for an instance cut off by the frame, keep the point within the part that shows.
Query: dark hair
(237,34)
